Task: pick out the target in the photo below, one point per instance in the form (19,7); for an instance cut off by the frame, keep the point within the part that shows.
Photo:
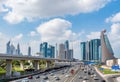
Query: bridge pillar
(48,64)
(8,67)
(36,65)
(22,64)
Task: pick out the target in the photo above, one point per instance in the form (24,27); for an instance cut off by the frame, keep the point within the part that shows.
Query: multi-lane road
(85,73)
(88,74)
(59,75)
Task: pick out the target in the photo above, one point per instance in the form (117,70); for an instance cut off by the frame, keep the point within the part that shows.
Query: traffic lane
(81,73)
(39,79)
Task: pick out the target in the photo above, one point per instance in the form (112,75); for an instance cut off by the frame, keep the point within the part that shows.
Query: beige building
(112,62)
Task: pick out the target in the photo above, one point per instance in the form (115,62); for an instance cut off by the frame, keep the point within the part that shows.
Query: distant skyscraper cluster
(47,51)
(90,50)
(97,49)
(64,52)
(10,49)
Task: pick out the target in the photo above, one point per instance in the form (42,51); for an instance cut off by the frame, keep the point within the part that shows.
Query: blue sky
(32,22)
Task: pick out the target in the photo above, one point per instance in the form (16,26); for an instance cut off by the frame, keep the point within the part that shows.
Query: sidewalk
(118,79)
(105,76)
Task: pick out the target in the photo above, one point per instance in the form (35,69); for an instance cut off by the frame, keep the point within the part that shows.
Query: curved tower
(107,52)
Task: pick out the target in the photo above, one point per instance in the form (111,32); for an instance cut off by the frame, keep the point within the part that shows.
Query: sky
(30,22)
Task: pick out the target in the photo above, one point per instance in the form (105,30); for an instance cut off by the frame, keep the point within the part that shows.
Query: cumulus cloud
(33,33)
(93,35)
(2,8)
(56,30)
(17,37)
(114,18)
(34,9)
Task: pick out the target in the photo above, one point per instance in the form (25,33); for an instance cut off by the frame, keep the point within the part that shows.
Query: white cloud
(114,18)
(56,30)
(33,33)
(13,18)
(2,8)
(17,37)
(34,9)
(93,35)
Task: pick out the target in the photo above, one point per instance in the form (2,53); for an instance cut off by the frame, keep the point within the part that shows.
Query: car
(80,77)
(95,78)
(37,77)
(85,78)
(46,78)
(57,78)
(103,81)
(30,77)
(67,75)
(25,80)
(42,80)
(52,74)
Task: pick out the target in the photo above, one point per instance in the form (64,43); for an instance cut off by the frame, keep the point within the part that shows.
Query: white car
(25,80)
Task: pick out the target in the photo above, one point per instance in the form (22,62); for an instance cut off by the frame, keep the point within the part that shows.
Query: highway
(60,75)
(83,76)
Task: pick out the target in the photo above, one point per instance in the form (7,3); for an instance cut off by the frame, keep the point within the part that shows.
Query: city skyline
(33,24)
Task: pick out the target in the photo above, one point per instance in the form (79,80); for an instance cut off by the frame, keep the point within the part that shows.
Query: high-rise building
(66,45)
(90,50)
(61,51)
(12,50)
(18,49)
(51,51)
(70,57)
(83,50)
(94,49)
(29,51)
(44,49)
(8,51)
(107,52)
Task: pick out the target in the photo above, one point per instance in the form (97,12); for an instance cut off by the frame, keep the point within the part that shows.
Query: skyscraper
(90,50)
(18,49)
(8,51)
(107,52)
(66,45)
(12,50)
(29,51)
(51,51)
(94,49)
(61,51)
(44,49)
(83,50)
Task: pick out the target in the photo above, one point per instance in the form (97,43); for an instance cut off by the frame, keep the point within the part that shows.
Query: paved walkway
(105,76)
(118,79)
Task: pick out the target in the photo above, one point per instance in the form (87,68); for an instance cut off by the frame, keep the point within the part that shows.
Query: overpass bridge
(9,58)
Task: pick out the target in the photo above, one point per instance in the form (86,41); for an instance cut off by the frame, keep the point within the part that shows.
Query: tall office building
(44,49)
(70,57)
(8,51)
(12,49)
(107,52)
(94,49)
(66,45)
(61,51)
(90,50)
(29,51)
(51,51)
(83,50)
(18,49)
